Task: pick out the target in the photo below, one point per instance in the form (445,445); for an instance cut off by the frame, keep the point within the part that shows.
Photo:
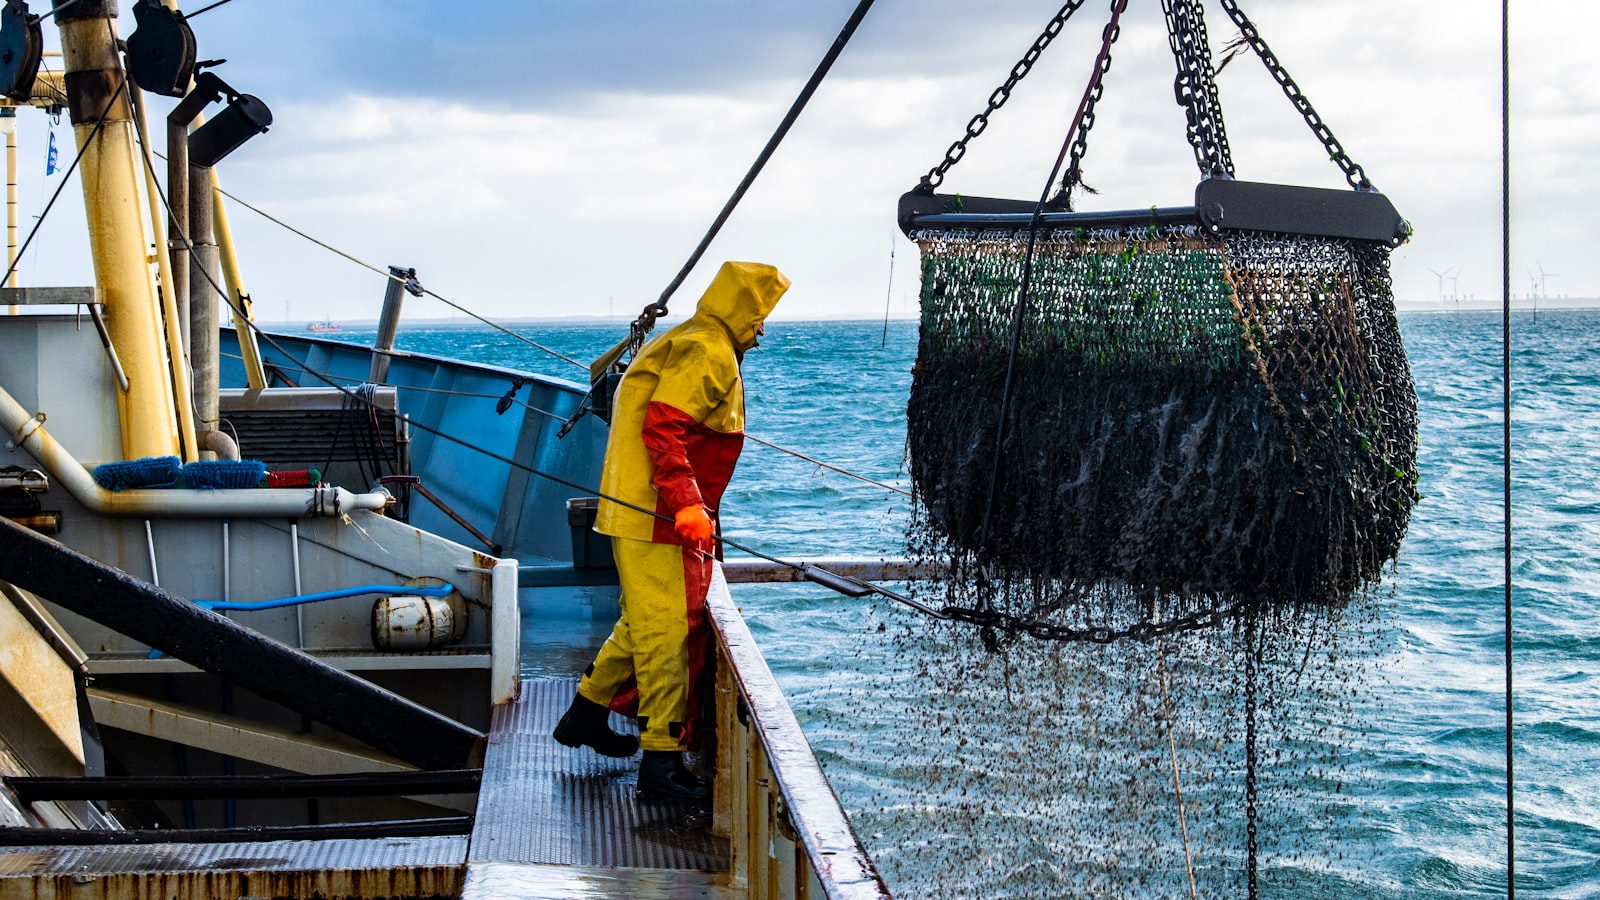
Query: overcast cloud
(560,158)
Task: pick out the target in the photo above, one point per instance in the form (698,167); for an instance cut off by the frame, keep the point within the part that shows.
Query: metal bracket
(1258,206)
(18,478)
(1220,204)
(26,431)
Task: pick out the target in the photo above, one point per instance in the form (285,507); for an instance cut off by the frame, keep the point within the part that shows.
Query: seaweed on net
(1199,421)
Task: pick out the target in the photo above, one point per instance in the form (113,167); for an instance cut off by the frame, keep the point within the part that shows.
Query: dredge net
(1200,423)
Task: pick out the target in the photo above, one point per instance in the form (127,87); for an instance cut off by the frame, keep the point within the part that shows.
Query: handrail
(837,859)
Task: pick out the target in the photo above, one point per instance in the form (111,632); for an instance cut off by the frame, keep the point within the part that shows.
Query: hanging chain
(1218,125)
(979,122)
(1196,87)
(1353,173)
(1035,627)
(1250,664)
(1080,144)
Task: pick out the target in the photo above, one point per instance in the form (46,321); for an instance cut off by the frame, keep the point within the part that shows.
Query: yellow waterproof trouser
(661,640)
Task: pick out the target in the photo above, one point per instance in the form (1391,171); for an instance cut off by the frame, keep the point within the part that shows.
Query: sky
(560,158)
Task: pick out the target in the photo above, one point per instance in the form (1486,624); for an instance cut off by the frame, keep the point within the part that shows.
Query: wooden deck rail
(789,836)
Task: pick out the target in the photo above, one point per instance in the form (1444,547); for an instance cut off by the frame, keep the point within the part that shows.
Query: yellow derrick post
(249,348)
(94,86)
(169,303)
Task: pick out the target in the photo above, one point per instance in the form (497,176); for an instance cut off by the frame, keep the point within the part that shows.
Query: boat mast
(96,87)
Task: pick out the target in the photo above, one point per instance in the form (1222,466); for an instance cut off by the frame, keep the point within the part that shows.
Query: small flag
(50,158)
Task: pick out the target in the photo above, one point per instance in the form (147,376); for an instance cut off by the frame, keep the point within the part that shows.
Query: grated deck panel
(542,803)
(256,856)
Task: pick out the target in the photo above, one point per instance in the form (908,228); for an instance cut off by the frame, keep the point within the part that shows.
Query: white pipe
(150,542)
(220,443)
(299,609)
(227,563)
(28,432)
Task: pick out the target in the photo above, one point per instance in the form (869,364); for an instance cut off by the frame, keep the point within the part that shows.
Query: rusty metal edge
(837,856)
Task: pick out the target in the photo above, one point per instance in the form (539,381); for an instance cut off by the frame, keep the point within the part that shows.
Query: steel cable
(1505,408)
(718,536)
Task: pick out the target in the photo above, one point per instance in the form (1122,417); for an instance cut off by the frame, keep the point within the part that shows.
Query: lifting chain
(1080,143)
(1011,623)
(1353,172)
(935,176)
(1196,87)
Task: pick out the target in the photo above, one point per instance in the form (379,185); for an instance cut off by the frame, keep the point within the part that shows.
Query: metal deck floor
(545,804)
(386,867)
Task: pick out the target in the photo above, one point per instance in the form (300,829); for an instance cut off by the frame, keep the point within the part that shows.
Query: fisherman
(676,431)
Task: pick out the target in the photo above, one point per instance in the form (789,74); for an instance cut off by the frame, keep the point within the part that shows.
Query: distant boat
(324,325)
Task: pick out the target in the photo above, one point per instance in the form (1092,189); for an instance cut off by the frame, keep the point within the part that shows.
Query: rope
(1505,406)
(209,8)
(829,466)
(39,221)
(559,418)
(1004,418)
(815,81)
(888,298)
(1177,784)
(719,536)
(387,274)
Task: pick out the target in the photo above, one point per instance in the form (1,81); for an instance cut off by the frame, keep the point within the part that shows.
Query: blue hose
(392,590)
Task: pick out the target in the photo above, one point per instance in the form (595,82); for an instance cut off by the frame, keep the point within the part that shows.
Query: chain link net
(1203,424)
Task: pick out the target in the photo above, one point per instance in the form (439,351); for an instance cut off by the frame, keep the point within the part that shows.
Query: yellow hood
(741,297)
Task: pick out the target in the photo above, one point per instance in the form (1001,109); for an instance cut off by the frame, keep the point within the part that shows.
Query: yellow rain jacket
(677,424)
(676,431)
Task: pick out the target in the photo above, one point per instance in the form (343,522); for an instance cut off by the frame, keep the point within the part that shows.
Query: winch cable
(1102,64)
(653,311)
(391,276)
(1177,782)
(842,584)
(1505,433)
(526,340)
(65,178)
(298,367)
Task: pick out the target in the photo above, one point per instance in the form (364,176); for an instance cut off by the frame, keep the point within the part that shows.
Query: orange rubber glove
(693,523)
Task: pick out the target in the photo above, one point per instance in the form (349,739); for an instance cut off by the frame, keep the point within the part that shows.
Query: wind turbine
(1455,278)
(1544,277)
(1441,276)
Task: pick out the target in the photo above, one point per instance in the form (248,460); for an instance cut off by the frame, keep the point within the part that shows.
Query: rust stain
(403,883)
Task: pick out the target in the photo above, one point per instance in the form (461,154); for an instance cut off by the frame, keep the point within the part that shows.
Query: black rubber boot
(586,724)
(662,775)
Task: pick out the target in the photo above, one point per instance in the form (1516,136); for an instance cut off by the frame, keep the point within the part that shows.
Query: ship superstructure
(288,617)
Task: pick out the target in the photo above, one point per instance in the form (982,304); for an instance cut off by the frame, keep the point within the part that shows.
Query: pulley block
(161,50)
(21,50)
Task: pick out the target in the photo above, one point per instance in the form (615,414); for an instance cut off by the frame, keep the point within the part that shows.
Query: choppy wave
(1412,805)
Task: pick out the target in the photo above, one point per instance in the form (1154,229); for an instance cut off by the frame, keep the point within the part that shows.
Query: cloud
(558,158)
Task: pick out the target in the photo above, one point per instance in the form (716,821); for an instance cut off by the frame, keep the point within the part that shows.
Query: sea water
(1414,806)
